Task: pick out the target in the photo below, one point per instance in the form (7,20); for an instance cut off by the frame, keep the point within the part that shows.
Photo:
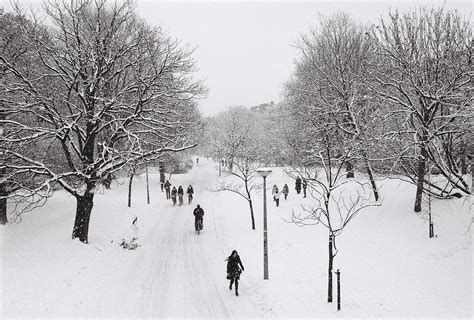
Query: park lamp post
(264,172)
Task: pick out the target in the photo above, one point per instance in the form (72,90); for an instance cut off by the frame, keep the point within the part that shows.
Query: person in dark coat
(285,190)
(298,185)
(167,188)
(198,217)
(305,185)
(173,195)
(180,195)
(190,192)
(162,181)
(234,265)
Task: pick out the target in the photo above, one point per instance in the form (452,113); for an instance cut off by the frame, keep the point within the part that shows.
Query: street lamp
(264,172)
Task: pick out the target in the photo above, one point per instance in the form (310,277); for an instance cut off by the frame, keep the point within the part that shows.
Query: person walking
(162,181)
(173,195)
(285,191)
(305,185)
(190,192)
(298,185)
(276,197)
(276,194)
(234,265)
(167,189)
(274,189)
(180,195)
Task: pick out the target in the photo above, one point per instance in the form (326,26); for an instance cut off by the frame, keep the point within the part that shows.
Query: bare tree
(110,91)
(337,199)
(424,70)
(13,27)
(331,71)
(236,139)
(331,116)
(245,171)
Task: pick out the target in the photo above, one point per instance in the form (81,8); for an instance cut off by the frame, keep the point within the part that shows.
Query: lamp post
(264,172)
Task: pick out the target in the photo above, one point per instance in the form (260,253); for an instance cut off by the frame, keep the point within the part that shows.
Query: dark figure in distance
(162,180)
(190,192)
(285,190)
(173,195)
(167,188)
(298,185)
(198,217)
(180,195)
(197,160)
(233,270)
(276,195)
(305,185)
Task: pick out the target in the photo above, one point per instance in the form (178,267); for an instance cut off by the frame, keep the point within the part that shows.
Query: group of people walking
(176,195)
(299,184)
(276,193)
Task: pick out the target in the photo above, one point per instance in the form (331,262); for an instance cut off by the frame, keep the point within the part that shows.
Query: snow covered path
(176,274)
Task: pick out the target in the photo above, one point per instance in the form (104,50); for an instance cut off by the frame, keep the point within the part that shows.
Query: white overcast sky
(244,50)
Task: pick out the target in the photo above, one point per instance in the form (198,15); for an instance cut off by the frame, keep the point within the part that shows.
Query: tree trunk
(162,174)
(83,214)
(331,258)
(250,203)
(251,214)
(3,204)
(219,159)
(3,187)
(463,164)
(420,176)
(130,188)
(371,178)
(349,169)
(147,186)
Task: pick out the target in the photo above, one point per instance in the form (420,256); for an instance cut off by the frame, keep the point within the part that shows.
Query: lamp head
(264,172)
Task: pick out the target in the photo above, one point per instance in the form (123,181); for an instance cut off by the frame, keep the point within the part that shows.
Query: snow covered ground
(389,266)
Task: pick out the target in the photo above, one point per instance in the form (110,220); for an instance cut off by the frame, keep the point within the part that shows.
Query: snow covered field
(389,266)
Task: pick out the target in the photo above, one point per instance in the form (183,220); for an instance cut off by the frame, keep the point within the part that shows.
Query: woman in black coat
(233,270)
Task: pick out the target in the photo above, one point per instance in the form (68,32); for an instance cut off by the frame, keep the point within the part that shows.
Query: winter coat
(180,190)
(276,196)
(275,189)
(285,189)
(305,184)
(190,190)
(173,192)
(298,184)
(198,213)
(233,268)
(167,185)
